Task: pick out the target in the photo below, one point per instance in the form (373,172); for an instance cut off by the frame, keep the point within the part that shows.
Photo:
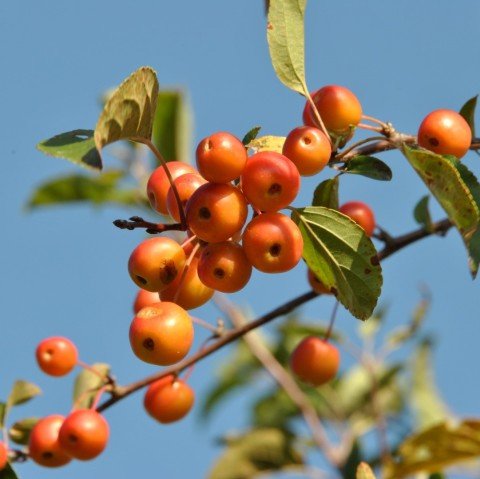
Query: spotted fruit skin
(315,361)
(44,446)
(445,132)
(161,334)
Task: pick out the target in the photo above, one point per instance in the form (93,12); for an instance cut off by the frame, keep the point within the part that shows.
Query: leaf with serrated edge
(77,146)
(444,180)
(342,256)
(364,471)
(130,111)
(441,446)
(251,135)
(172,128)
(428,407)
(286,42)
(87,384)
(369,167)
(326,194)
(101,189)
(267,143)
(20,431)
(468,112)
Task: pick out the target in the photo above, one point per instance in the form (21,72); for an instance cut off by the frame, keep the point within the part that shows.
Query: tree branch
(152,228)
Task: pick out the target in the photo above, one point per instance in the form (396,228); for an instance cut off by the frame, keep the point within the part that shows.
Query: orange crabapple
(144,298)
(186,185)
(316,284)
(361,213)
(3,455)
(56,356)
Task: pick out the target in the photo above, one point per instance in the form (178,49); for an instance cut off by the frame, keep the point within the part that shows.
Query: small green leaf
(8,473)
(22,391)
(421,213)
(326,194)
(342,256)
(130,111)
(286,41)
(427,405)
(447,180)
(267,143)
(77,146)
(3,407)
(468,112)
(256,452)
(20,431)
(172,126)
(354,459)
(364,471)
(98,190)
(368,166)
(87,384)
(251,135)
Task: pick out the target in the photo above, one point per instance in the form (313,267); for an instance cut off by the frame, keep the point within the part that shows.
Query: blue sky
(65,268)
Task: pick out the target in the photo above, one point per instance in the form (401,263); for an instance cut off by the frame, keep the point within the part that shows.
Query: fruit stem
(375,120)
(98,396)
(318,117)
(370,127)
(163,163)
(338,157)
(91,369)
(332,321)
(185,271)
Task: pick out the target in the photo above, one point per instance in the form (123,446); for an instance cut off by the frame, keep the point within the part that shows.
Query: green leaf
(98,190)
(368,166)
(254,453)
(172,126)
(440,446)
(8,473)
(251,135)
(238,371)
(87,384)
(20,431)
(3,407)
(130,111)
(342,256)
(22,392)
(354,459)
(77,146)
(267,143)
(468,112)
(428,407)
(286,42)
(421,213)
(364,471)
(326,194)
(446,178)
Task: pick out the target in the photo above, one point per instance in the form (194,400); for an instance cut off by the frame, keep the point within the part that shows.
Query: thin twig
(151,228)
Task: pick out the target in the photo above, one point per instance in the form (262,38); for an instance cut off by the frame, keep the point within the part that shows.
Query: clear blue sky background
(64,269)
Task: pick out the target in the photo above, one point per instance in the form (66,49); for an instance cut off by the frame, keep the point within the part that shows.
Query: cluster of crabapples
(221,246)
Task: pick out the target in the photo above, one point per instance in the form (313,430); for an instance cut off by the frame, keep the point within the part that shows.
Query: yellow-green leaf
(364,471)
(130,110)
(436,448)
(267,143)
(20,431)
(342,256)
(77,146)
(285,35)
(87,384)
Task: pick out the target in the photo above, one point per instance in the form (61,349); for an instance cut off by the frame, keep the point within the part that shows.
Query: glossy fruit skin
(44,447)
(3,455)
(144,298)
(224,267)
(315,361)
(155,263)
(308,148)
(221,157)
(186,186)
(216,211)
(270,181)
(445,132)
(56,356)
(361,213)
(316,284)
(272,243)
(193,292)
(158,184)
(84,434)
(339,109)
(161,334)
(168,399)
